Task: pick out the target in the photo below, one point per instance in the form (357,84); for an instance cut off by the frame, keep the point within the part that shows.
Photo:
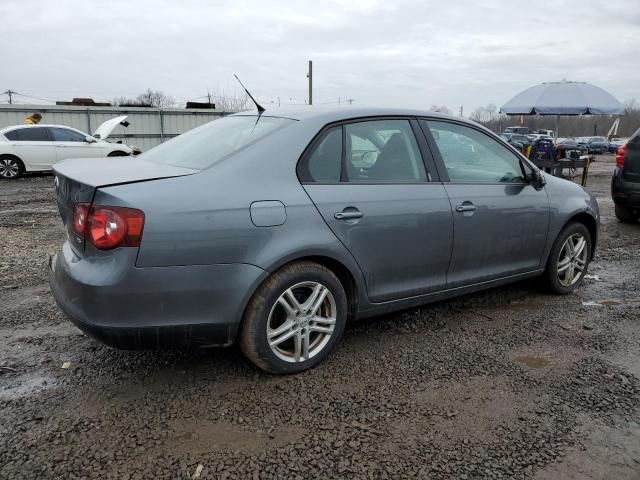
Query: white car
(31,148)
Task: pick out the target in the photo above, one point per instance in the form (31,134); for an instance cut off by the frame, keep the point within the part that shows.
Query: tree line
(158,99)
(568,126)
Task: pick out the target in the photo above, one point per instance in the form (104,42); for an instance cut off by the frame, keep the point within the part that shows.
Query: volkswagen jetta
(274,230)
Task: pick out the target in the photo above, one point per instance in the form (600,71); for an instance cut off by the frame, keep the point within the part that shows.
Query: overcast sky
(392,52)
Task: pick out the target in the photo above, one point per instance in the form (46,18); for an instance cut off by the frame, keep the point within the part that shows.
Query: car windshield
(206,145)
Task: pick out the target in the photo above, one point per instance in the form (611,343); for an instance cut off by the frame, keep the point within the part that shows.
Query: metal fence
(148,126)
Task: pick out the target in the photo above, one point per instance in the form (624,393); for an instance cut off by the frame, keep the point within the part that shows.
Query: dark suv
(625,184)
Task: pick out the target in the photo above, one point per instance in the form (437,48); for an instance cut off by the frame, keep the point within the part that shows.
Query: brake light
(80,214)
(621,154)
(108,227)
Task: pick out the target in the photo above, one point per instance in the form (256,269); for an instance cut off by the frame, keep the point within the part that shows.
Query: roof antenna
(258,106)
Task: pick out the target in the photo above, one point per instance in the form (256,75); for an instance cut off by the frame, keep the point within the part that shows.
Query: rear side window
(383,151)
(206,145)
(33,134)
(66,135)
(323,163)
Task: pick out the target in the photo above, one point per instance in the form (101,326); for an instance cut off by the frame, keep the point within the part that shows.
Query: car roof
(13,127)
(337,113)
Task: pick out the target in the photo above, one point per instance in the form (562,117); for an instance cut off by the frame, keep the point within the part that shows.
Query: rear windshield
(203,146)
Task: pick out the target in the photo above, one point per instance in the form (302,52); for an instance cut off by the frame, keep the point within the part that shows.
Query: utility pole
(461,110)
(10,93)
(310,77)
(209,97)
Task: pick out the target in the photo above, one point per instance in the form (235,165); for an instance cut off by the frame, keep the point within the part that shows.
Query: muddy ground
(508,383)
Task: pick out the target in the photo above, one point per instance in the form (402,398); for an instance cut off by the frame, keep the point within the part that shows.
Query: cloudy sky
(391,52)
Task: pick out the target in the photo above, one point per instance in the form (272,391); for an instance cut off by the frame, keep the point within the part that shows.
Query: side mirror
(537,179)
(89,139)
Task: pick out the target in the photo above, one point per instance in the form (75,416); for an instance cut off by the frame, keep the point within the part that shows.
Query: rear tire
(569,259)
(294,319)
(625,214)
(118,153)
(11,167)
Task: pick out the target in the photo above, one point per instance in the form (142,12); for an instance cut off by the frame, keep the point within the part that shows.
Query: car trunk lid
(77,180)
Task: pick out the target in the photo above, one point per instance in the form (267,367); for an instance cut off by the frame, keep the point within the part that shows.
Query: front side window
(472,156)
(66,135)
(212,142)
(382,151)
(32,134)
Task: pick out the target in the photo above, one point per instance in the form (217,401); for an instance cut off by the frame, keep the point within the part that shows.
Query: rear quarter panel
(205,218)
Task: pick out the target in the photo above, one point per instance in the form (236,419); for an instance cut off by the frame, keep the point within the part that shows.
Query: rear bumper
(623,191)
(155,307)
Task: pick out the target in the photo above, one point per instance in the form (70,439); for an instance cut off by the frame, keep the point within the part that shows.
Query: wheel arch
(346,276)
(15,157)
(592,226)
(12,155)
(118,153)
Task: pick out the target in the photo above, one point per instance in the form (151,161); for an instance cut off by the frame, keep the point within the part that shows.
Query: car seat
(393,162)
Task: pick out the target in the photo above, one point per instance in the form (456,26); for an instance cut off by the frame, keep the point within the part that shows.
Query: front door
(500,219)
(73,144)
(376,196)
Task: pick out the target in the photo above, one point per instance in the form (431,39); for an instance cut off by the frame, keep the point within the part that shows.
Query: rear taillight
(80,214)
(108,227)
(621,154)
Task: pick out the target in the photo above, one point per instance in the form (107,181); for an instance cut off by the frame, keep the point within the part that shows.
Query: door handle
(348,215)
(466,207)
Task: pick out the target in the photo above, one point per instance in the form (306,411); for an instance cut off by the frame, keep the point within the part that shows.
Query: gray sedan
(275,230)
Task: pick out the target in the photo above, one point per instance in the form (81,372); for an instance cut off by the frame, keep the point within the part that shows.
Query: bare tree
(150,98)
(156,98)
(484,115)
(233,103)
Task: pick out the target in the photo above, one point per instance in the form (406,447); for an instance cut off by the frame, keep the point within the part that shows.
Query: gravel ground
(508,383)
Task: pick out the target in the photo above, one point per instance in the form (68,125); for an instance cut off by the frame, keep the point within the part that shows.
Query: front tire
(569,259)
(294,319)
(11,167)
(625,214)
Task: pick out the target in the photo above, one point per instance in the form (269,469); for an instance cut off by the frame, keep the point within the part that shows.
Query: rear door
(72,144)
(34,146)
(500,220)
(375,191)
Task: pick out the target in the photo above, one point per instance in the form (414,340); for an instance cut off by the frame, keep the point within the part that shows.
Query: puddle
(25,385)
(533,362)
(205,436)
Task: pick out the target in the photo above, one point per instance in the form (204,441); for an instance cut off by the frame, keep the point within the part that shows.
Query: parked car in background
(523,140)
(534,137)
(273,230)
(508,138)
(547,133)
(594,144)
(570,144)
(30,148)
(616,143)
(625,184)
(519,130)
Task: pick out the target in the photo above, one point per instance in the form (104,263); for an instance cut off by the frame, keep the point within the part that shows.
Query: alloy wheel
(301,322)
(9,168)
(572,259)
